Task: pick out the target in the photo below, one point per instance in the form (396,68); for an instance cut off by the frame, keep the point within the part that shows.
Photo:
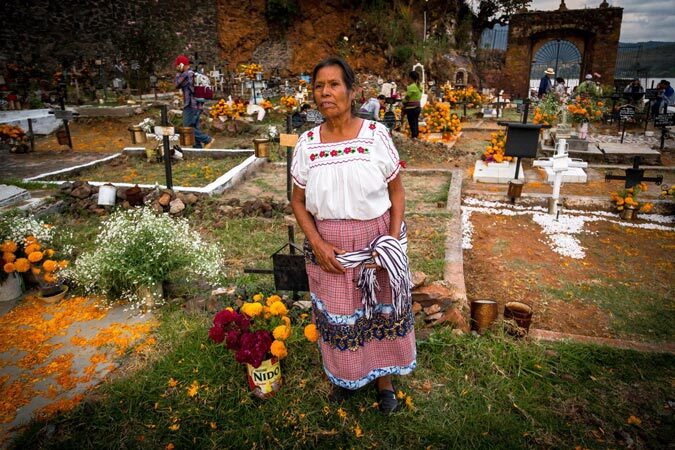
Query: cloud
(644,20)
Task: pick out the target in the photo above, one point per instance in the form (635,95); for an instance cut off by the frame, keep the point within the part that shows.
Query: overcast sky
(643,20)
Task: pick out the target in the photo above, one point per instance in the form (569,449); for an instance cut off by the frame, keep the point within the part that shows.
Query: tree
(492,12)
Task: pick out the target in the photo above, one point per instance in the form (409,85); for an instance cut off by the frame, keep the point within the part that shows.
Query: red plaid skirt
(357,350)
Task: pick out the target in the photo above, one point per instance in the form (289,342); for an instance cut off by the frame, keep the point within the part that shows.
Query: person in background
(411,103)
(588,86)
(666,97)
(560,88)
(545,84)
(634,92)
(349,200)
(371,109)
(192,109)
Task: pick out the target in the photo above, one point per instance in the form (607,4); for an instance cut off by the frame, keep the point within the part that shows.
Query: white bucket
(106,195)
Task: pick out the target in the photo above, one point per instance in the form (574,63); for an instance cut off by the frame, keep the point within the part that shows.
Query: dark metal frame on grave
(288,269)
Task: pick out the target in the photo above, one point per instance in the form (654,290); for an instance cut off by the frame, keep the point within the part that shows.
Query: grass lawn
(489,392)
(189,172)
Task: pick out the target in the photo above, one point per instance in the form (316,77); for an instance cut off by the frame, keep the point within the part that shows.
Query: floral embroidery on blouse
(334,153)
(372,125)
(310,135)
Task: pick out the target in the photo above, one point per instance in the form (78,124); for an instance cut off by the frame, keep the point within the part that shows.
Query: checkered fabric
(336,298)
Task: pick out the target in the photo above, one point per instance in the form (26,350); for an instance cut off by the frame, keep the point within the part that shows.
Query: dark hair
(347,72)
(381,97)
(414,76)
(666,82)
(560,80)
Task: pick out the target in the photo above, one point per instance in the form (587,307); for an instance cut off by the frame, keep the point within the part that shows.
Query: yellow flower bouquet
(31,256)
(494,152)
(585,109)
(628,199)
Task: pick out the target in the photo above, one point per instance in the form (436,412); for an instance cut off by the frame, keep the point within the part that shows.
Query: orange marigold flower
(311,333)
(30,240)
(8,246)
(63,264)
(32,248)
(50,265)
(50,278)
(35,257)
(8,257)
(36,270)
(21,265)
(281,333)
(278,309)
(49,252)
(9,267)
(278,349)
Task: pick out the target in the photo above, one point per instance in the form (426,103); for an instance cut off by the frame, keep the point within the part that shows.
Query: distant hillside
(655,58)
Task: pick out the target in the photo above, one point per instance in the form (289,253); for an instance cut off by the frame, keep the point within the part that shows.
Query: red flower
(333,153)
(312,157)
(310,135)
(372,125)
(347,150)
(360,149)
(323,154)
(225,317)
(403,164)
(217,333)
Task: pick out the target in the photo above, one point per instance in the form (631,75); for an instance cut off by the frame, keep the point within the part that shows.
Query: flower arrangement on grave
(250,70)
(10,134)
(266,104)
(548,110)
(450,95)
(628,199)
(27,246)
(31,256)
(439,119)
(147,125)
(256,332)
(289,102)
(667,191)
(471,97)
(228,110)
(494,152)
(585,109)
(137,249)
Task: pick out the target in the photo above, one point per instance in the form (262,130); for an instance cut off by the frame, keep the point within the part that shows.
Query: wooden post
(167,152)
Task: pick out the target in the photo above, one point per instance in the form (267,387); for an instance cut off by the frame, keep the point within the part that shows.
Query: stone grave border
(222,183)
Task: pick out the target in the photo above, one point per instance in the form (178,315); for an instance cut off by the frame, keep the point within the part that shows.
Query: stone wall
(46,33)
(595,32)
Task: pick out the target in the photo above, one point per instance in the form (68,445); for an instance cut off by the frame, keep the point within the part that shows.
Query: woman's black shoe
(339,394)
(386,401)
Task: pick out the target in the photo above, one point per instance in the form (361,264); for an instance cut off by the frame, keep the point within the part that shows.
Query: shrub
(138,248)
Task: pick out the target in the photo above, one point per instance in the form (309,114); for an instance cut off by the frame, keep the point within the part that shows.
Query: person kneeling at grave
(371,108)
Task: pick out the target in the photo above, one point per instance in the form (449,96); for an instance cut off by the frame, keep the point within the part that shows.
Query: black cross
(634,175)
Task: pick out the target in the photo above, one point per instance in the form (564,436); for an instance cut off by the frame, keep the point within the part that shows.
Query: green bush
(403,53)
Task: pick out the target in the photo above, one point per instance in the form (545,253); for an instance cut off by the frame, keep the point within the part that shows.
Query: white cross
(559,163)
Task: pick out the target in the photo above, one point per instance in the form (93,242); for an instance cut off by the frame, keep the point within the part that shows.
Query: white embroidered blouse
(348,179)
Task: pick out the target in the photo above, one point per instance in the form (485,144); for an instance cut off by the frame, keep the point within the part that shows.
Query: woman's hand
(324,253)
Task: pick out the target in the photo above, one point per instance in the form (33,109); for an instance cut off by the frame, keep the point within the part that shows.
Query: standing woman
(412,105)
(349,201)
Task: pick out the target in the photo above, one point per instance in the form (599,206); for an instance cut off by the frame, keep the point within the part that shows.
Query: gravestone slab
(10,195)
(500,173)
(573,143)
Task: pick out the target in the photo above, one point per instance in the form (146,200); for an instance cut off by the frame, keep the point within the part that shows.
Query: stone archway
(594,32)
(563,56)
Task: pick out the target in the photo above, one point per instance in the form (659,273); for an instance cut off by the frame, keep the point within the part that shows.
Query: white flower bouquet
(137,249)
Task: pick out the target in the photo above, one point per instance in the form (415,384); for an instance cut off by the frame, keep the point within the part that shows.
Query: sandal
(339,394)
(386,401)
